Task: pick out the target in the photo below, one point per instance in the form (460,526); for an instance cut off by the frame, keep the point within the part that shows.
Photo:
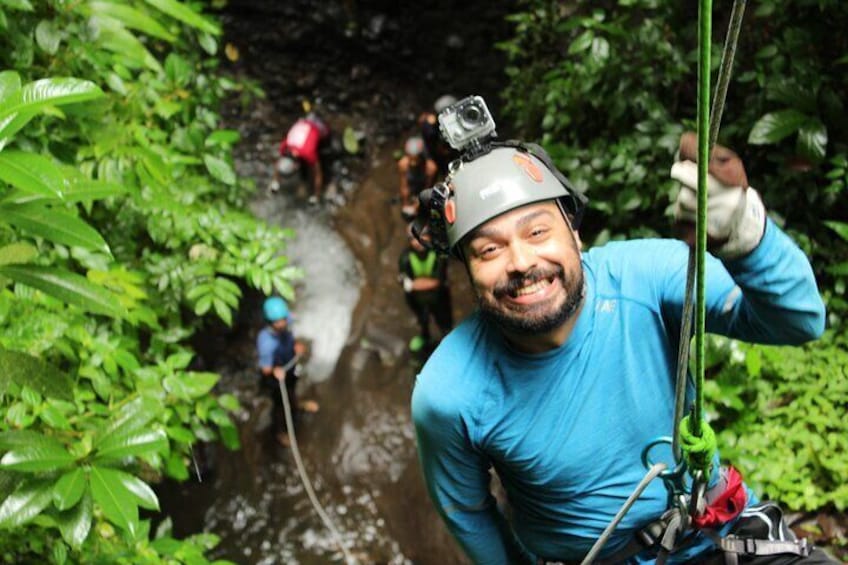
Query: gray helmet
(443,102)
(505,178)
(287,165)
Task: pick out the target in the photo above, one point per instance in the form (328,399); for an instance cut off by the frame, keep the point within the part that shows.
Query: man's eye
(487,250)
(538,231)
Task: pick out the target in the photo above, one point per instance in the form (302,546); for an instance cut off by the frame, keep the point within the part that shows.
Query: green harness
(422,267)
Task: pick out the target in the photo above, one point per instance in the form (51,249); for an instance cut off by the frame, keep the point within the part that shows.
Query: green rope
(725,68)
(698,451)
(704,46)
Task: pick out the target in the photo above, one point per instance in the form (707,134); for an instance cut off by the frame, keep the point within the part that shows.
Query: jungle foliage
(120,233)
(609,86)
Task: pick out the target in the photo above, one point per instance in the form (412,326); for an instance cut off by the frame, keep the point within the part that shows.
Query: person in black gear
(417,172)
(424,277)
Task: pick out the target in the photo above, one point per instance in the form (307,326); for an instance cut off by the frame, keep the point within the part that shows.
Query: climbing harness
(301,469)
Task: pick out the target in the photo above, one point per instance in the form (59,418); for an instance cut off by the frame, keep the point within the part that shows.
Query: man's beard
(531,319)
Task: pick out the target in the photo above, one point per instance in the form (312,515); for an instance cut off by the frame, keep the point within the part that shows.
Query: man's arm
(457,479)
(763,289)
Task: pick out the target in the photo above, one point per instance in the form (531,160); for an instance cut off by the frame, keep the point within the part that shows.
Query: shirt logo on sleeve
(605,306)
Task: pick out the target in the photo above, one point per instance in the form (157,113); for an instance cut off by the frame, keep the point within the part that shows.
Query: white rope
(304,477)
(655,470)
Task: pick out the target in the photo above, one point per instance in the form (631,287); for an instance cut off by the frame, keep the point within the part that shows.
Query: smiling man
(566,371)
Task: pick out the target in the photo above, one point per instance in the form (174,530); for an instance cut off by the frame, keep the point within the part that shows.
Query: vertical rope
(704,46)
(724,73)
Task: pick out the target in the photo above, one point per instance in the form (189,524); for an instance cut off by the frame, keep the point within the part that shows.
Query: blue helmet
(275,308)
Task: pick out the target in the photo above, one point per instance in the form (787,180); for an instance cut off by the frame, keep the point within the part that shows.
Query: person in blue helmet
(566,371)
(278,352)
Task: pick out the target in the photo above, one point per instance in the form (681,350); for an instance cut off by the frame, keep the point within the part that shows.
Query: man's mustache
(518,281)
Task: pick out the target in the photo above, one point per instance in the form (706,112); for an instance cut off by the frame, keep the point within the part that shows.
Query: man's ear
(577,239)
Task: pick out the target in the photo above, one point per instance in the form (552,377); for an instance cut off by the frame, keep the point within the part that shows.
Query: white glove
(735,213)
(407,284)
(274,186)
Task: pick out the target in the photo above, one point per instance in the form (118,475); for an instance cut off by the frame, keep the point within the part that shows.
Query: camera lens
(471,116)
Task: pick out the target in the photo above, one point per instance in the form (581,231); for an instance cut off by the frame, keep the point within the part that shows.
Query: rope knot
(697,451)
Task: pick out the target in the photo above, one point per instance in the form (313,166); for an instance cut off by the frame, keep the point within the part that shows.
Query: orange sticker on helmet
(528,166)
(450,211)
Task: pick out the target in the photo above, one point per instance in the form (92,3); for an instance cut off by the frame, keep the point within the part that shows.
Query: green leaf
(10,83)
(23,369)
(48,36)
(132,18)
(54,225)
(140,490)
(47,92)
(222,137)
(183,13)
(134,415)
(17,253)
(29,499)
(117,502)
(190,385)
(220,169)
(812,140)
(66,286)
(31,173)
(132,52)
(74,524)
(21,5)
(22,438)
(69,489)
(37,458)
(117,446)
(840,228)
(350,141)
(775,126)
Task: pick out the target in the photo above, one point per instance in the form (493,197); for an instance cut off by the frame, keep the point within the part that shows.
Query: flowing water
(370,66)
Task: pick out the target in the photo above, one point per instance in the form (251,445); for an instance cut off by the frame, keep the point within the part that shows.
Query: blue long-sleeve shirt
(565,429)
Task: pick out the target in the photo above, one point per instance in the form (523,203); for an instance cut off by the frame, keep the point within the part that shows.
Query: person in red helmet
(417,172)
(299,151)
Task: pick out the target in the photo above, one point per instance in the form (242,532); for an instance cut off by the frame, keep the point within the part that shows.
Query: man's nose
(522,257)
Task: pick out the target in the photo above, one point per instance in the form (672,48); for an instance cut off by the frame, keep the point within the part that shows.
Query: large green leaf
(132,18)
(812,140)
(10,82)
(48,92)
(220,169)
(20,438)
(31,173)
(183,13)
(131,52)
(54,225)
(76,522)
(117,446)
(134,415)
(190,385)
(775,126)
(24,369)
(840,228)
(114,498)
(69,489)
(19,252)
(28,500)
(141,491)
(66,286)
(46,457)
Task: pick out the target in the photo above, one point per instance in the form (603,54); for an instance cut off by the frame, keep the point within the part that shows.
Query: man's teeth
(535,287)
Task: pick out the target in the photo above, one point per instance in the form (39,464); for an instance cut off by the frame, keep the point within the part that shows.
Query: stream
(372,67)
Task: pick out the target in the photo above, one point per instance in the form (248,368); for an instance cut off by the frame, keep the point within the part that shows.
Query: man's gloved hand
(274,186)
(735,213)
